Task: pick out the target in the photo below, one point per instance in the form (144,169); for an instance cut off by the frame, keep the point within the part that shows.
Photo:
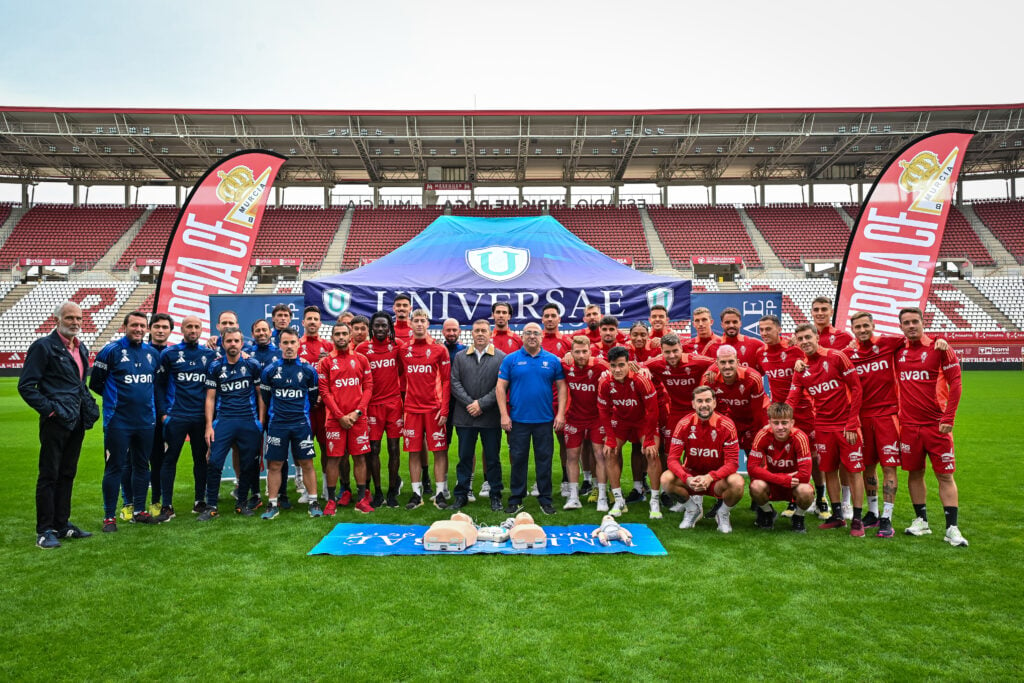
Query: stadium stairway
(332,258)
(984,303)
(773,267)
(12,219)
(661,264)
(1002,257)
(106,263)
(15,295)
(846,217)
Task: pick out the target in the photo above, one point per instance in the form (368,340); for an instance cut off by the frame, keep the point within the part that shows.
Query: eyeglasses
(531,333)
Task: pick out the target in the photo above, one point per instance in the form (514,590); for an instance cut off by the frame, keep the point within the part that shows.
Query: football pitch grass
(238,599)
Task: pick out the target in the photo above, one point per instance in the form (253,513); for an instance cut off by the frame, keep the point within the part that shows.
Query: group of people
(841,406)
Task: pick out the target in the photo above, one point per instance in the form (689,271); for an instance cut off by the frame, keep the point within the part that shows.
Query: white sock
(846,496)
(873,504)
(417,488)
(442,486)
(696,501)
(655,503)
(574,490)
(726,506)
(887,510)
(617,494)
(587,476)
(312,497)
(638,486)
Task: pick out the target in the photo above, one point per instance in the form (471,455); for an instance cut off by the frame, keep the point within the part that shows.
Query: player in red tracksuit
(930,388)
(747,348)
(346,386)
(628,405)
(583,421)
(779,465)
(608,328)
(703,457)
(642,347)
(402,306)
(739,395)
(504,339)
(658,318)
(678,373)
(311,349)
(427,367)
(384,413)
(776,363)
(831,383)
(706,342)
(828,337)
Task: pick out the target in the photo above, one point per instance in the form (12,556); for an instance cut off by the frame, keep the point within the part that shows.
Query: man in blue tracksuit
(181,409)
(123,375)
(265,352)
(289,387)
(233,407)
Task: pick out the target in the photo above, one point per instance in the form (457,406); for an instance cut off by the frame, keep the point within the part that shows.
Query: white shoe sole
(602,506)
(572,504)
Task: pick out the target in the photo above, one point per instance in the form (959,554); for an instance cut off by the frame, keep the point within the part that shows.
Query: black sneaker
(166,514)
(496,504)
(870,520)
(513,508)
(798,524)
(47,540)
(585,488)
(759,519)
(790,510)
(769,519)
(441,501)
(73,531)
(255,502)
(635,496)
(415,501)
(666,500)
(377,500)
(547,508)
(109,525)
(710,514)
(284,503)
(459,503)
(199,506)
(885,529)
(392,501)
(143,518)
(428,488)
(244,510)
(207,514)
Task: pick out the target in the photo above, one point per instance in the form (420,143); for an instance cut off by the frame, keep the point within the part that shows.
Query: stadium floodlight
(854,129)
(719,149)
(654,150)
(220,150)
(331,131)
(377,132)
(53,148)
(696,150)
(1016,143)
(841,129)
(334,151)
(647,131)
(508,151)
(537,150)
(376,151)
(558,150)
(878,148)
(132,130)
(873,129)
(661,131)
(628,132)
(112,130)
(131,150)
(494,151)
(344,131)
(453,151)
(1003,144)
(855,148)
(886,128)
(99,129)
(145,130)
(771,149)
(615,150)
(292,151)
(596,151)
(76,148)
(106,150)
(362,131)
(750,149)
(823,148)
(615,131)
(482,152)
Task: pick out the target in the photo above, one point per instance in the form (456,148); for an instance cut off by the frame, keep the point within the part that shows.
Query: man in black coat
(53,383)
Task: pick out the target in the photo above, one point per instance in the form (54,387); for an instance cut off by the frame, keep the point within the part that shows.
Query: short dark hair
(703,388)
(498,304)
(805,326)
(403,297)
(223,313)
(729,311)
(341,323)
(618,352)
(658,307)
(550,305)
(135,314)
(359,320)
(310,309)
(822,300)
(608,320)
(232,330)
(287,330)
(638,323)
(670,339)
(771,319)
(252,328)
(911,309)
(158,317)
(281,307)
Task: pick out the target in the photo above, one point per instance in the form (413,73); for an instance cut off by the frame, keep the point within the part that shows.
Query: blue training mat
(407,539)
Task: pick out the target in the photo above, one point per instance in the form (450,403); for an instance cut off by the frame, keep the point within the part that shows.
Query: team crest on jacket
(351,362)
(299,376)
(782,356)
(923,356)
(714,435)
(824,364)
(498,263)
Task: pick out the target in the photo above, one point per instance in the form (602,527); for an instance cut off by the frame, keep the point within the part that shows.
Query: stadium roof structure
(90,146)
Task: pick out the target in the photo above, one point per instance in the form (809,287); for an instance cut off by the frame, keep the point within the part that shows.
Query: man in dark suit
(53,383)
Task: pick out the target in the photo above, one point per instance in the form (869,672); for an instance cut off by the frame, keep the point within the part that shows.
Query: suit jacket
(475,381)
(51,384)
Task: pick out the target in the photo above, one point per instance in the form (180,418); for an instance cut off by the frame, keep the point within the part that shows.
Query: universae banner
(892,252)
(211,246)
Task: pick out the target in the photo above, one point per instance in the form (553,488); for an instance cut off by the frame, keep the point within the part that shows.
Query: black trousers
(59,449)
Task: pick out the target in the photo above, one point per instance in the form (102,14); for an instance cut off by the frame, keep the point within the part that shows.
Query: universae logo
(498,263)
(336,301)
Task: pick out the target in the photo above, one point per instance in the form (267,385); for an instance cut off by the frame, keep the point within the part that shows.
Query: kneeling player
(708,443)
(345,387)
(779,465)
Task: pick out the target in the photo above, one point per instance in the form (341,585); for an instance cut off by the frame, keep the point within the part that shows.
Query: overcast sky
(493,55)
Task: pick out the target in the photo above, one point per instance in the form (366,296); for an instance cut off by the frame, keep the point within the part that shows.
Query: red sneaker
(346,499)
(364,505)
(834,523)
(330,508)
(857,528)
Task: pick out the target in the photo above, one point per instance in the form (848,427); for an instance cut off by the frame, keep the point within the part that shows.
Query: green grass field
(238,599)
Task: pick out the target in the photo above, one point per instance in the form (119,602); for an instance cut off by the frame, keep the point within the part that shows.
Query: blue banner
(252,307)
(751,305)
(407,539)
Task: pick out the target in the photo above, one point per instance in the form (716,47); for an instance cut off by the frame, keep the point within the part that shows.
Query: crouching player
(345,388)
(779,465)
(233,409)
(289,389)
(703,457)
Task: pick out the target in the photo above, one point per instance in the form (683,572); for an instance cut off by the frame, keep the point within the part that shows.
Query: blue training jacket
(181,380)
(289,389)
(236,386)
(123,375)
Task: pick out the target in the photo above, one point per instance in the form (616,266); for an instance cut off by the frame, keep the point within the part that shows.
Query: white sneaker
(469,495)
(678,506)
(573,503)
(602,505)
(485,490)
(656,510)
(304,498)
(564,489)
(918,527)
(954,537)
(534,491)
(693,511)
(847,511)
(724,523)
(618,508)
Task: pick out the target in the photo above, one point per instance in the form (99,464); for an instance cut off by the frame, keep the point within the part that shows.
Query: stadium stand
(288,287)
(32,316)
(84,234)
(375,232)
(298,232)
(1006,293)
(1005,219)
(151,240)
(786,229)
(615,231)
(688,231)
(960,241)
(5,211)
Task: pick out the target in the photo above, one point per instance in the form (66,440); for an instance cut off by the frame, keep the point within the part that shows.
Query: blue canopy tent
(458,266)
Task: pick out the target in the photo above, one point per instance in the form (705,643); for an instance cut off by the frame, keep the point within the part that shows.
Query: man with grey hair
(53,383)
